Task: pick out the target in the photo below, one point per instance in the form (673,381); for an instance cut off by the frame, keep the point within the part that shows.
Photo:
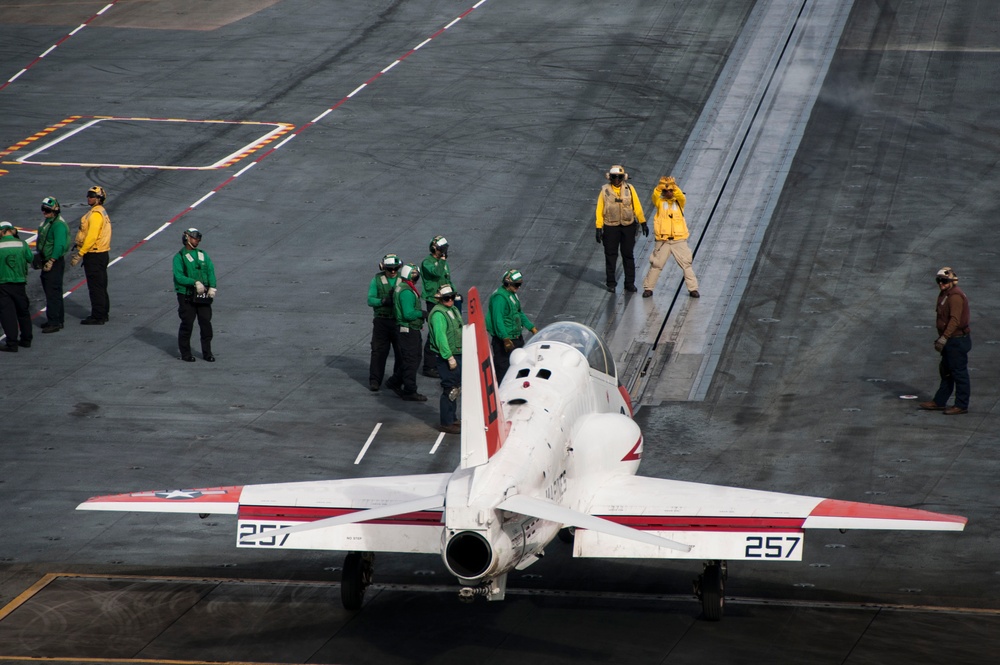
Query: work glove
(600,236)
(534,331)
(199,288)
(211,292)
(75,261)
(387,301)
(452,363)
(939,343)
(508,345)
(48,265)
(645,229)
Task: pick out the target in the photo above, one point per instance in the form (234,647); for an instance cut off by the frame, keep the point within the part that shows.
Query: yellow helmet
(98,192)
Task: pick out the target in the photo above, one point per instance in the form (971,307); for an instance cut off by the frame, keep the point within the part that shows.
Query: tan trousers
(682,254)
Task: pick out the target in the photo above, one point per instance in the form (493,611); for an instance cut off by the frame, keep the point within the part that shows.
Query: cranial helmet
(410,272)
(50,204)
(97,191)
(439,243)
(616,170)
(390,262)
(443,291)
(946,274)
(512,277)
(192,233)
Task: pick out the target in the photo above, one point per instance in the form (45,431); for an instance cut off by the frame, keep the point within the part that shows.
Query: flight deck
(834,156)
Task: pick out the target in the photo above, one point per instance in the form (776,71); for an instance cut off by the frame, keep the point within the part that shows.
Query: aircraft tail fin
(483,422)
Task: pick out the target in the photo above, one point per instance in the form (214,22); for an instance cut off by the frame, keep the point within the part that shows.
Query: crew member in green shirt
(194,283)
(15,257)
(50,248)
(445,323)
(409,322)
(504,321)
(434,272)
(384,335)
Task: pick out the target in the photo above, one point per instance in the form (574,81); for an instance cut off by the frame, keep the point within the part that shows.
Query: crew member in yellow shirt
(671,234)
(93,246)
(618,210)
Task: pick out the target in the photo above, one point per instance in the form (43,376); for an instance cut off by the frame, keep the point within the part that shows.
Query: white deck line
(738,155)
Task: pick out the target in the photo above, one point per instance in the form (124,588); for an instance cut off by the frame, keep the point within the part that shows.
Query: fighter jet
(552,452)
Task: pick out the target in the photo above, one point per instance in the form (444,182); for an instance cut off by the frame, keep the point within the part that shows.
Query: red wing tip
(230,494)
(837,508)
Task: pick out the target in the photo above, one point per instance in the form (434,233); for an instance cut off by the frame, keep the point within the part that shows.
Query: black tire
(713,593)
(356,577)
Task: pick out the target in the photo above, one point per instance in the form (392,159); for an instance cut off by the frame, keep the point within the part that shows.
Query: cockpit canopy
(582,338)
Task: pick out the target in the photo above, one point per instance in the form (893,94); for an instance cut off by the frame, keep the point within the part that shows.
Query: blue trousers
(450,378)
(954,370)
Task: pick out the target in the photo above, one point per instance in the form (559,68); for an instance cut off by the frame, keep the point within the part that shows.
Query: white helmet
(409,272)
(616,170)
(945,275)
(444,291)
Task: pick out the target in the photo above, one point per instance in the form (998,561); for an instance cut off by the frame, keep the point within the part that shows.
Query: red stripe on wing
(837,508)
(307,514)
(707,523)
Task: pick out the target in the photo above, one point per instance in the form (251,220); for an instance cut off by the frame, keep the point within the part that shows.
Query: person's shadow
(167,342)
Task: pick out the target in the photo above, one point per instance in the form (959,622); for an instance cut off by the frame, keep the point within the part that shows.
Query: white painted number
(771,547)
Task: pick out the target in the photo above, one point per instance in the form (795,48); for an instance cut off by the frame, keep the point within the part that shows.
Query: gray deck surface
(816,315)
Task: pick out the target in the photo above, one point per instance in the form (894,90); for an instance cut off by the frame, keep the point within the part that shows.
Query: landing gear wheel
(358,570)
(566,534)
(711,590)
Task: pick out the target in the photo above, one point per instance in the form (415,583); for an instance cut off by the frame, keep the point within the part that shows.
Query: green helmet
(512,277)
(409,272)
(440,243)
(51,204)
(390,262)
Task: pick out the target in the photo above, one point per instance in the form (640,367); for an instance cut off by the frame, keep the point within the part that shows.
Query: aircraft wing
(217,500)
(262,509)
(729,523)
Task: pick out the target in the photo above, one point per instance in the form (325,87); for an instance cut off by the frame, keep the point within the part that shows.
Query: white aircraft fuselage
(566,426)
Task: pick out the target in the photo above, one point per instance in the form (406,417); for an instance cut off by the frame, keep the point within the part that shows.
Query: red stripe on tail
(493,416)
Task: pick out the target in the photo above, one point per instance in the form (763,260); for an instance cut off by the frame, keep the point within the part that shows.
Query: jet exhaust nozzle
(469,555)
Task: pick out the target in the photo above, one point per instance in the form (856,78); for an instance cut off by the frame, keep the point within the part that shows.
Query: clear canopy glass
(582,338)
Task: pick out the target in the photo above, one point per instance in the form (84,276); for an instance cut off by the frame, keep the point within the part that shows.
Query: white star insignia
(179,494)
